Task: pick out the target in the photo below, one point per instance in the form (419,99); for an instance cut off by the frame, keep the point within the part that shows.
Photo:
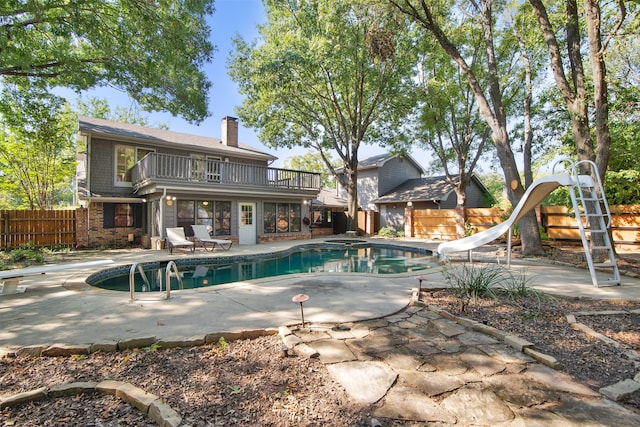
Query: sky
(231,17)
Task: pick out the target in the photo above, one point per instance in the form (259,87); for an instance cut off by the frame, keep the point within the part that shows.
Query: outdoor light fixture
(300,298)
(419,279)
(410,203)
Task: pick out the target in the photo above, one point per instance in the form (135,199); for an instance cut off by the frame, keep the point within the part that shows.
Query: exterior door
(247,221)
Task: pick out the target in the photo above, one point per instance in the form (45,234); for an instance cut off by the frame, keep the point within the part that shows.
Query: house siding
(96,178)
(367,189)
(394,172)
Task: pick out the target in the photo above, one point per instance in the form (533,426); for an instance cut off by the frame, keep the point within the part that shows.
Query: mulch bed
(251,382)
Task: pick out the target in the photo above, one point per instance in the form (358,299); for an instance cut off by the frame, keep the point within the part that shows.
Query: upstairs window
(127,156)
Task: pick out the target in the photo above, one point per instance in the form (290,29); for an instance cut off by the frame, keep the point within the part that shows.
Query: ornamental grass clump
(473,282)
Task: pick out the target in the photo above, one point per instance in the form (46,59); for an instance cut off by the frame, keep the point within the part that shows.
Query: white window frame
(136,155)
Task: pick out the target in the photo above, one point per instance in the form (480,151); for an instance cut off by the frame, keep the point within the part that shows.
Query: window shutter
(137,215)
(108,215)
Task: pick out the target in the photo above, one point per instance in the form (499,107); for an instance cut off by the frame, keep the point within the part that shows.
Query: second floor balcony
(157,168)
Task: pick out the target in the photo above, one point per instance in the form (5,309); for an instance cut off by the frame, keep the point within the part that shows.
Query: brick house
(134,182)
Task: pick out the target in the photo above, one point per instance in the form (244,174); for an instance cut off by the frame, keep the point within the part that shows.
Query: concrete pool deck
(59,307)
(419,353)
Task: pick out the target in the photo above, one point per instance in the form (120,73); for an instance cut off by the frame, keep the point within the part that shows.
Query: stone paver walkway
(418,366)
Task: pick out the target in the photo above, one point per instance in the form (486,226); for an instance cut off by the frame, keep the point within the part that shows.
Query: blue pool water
(373,259)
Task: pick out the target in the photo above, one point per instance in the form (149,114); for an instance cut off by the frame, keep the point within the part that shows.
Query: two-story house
(136,181)
(389,183)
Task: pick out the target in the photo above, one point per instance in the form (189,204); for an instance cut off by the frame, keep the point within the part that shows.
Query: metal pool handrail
(171,265)
(132,274)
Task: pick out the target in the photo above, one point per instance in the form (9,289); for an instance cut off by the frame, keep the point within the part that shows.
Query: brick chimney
(230,131)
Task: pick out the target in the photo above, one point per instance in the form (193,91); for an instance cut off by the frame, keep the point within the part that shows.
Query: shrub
(387,232)
(474,282)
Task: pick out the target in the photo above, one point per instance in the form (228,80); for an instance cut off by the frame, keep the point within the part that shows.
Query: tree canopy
(312,161)
(37,148)
(329,75)
(152,50)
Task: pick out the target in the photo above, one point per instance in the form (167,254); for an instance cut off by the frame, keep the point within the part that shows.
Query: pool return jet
(590,206)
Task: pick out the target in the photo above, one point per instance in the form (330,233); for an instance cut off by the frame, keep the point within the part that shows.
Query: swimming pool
(331,258)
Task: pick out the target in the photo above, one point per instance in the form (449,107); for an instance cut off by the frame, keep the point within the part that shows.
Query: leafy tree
(496,186)
(493,104)
(449,124)
(37,140)
(152,50)
(330,75)
(100,109)
(313,162)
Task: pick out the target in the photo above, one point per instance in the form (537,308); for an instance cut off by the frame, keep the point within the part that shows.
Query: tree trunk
(461,212)
(352,199)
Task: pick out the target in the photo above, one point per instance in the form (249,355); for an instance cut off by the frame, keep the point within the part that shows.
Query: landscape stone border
(624,388)
(147,403)
(150,404)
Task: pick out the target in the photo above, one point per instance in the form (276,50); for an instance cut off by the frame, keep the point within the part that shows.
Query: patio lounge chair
(201,237)
(176,238)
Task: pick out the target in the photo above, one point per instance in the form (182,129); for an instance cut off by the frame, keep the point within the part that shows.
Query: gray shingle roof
(162,137)
(379,160)
(419,190)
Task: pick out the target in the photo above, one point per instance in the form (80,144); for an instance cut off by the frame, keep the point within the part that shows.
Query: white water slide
(534,195)
(588,201)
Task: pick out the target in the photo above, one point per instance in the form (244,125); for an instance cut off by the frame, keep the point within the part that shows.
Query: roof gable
(161,137)
(379,161)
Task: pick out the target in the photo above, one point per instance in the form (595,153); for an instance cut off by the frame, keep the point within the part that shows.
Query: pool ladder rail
(171,268)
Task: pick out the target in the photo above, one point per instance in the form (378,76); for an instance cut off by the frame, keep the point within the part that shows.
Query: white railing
(157,166)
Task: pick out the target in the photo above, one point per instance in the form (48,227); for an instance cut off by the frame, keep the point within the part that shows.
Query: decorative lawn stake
(300,298)
(419,279)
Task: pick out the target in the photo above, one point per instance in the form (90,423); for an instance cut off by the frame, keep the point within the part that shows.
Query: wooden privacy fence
(440,224)
(42,228)
(558,221)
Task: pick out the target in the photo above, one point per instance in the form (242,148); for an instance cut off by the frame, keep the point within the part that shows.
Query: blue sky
(231,17)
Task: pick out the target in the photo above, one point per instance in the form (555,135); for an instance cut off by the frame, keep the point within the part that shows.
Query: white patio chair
(176,239)
(201,237)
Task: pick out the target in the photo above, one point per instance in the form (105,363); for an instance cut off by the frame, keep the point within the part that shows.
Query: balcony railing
(156,166)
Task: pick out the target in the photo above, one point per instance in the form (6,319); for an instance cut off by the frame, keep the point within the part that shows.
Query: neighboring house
(387,182)
(380,174)
(135,182)
(428,193)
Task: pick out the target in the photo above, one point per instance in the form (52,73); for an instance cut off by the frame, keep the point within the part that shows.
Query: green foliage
(558,197)
(152,348)
(469,229)
(235,389)
(496,186)
(222,344)
(621,187)
(387,232)
(152,50)
(329,75)
(37,151)
(100,109)
(468,281)
(23,256)
(313,162)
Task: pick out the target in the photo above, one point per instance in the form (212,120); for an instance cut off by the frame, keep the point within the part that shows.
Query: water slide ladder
(594,220)
(171,268)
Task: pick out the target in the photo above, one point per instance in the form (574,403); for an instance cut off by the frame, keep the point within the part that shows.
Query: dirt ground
(252,382)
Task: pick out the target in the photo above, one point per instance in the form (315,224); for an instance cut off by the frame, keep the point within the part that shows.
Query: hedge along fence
(43,228)
(558,221)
